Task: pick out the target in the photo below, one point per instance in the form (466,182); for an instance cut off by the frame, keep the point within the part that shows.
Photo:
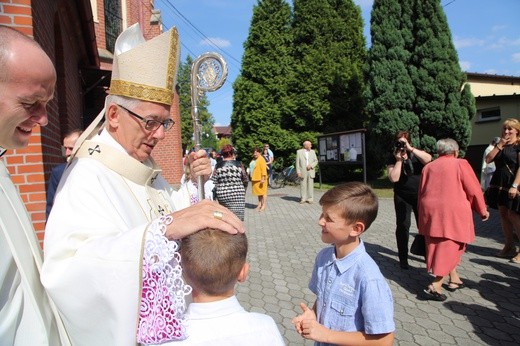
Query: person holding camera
(404,170)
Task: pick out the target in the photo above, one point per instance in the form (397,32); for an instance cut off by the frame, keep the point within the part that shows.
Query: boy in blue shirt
(354,303)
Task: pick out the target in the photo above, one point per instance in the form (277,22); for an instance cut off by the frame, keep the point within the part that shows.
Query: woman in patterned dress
(228,179)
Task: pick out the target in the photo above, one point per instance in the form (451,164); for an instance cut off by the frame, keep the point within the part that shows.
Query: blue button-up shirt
(352,294)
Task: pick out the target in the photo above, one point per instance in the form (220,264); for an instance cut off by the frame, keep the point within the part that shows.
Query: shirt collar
(2,151)
(343,264)
(214,309)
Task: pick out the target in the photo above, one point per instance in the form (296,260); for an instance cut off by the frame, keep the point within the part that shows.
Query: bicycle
(287,175)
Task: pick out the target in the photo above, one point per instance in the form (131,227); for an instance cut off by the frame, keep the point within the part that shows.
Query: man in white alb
(27,81)
(111,260)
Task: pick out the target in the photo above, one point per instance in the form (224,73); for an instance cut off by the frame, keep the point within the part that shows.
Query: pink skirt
(443,255)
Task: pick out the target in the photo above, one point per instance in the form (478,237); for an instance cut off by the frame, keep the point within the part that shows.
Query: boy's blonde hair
(212,260)
(357,201)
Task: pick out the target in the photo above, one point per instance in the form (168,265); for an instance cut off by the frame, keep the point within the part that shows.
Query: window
(488,114)
(113,22)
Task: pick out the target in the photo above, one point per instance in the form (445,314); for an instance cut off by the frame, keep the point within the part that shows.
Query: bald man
(27,80)
(306,161)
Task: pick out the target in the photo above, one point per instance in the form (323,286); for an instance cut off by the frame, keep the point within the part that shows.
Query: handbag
(245,176)
(491,196)
(418,245)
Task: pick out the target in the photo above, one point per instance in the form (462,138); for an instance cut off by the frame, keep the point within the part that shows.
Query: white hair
(121,100)
(447,146)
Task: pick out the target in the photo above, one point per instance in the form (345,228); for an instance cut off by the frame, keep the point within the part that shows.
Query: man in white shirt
(488,168)
(111,260)
(270,161)
(27,81)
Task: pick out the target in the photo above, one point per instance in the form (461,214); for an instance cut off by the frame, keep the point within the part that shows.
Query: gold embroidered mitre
(145,70)
(142,70)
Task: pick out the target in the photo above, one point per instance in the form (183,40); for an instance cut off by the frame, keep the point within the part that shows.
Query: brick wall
(99,26)
(168,153)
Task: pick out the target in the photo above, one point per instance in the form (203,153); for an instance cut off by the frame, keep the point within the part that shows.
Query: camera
(399,146)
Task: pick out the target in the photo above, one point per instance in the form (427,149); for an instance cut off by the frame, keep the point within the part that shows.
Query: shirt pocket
(343,311)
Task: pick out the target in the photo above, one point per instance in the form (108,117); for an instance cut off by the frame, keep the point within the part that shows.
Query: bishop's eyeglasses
(151,124)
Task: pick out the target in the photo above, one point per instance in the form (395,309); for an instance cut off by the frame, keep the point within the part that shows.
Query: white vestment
(487,169)
(27,316)
(101,226)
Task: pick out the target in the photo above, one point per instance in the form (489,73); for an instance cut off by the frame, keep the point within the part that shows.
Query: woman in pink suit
(448,193)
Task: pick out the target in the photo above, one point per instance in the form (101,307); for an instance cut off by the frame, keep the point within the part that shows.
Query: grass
(381,186)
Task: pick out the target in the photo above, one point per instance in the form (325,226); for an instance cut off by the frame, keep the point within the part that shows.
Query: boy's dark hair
(212,260)
(357,201)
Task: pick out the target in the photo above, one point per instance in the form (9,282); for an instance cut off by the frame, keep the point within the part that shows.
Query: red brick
(35,178)
(21,2)
(18,179)
(39,227)
(26,30)
(31,207)
(17,10)
(25,197)
(31,188)
(37,197)
(6,19)
(22,20)
(30,168)
(14,159)
(33,158)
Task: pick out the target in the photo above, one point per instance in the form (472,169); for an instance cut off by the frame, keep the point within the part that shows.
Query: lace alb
(163,306)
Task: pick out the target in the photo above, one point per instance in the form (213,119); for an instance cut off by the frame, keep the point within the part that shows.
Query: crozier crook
(208,73)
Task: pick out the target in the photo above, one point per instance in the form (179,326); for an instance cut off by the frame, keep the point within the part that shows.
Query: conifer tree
(185,104)
(444,102)
(414,81)
(329,51)
(260,99)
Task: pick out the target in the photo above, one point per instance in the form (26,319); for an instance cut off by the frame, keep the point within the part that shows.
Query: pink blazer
(449,192)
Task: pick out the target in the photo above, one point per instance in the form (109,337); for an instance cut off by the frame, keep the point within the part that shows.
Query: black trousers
(403,212)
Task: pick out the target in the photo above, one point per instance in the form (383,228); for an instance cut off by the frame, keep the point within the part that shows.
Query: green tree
(444,101)
(329,52)
(300,76)
(390,91)
(185,104)
(260,99)
(414,81)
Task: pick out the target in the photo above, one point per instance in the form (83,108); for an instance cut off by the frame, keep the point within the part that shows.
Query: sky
(486,35)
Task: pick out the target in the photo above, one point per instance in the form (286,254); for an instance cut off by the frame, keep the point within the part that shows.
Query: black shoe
(404,265)
(453,286)
(432,294)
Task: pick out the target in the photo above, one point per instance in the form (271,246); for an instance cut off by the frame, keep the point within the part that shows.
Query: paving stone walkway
(285,239)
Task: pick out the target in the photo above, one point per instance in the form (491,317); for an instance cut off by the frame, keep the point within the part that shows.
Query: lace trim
(192,192)
(163,306)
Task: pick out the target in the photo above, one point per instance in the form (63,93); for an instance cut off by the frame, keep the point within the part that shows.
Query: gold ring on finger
(218,215)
